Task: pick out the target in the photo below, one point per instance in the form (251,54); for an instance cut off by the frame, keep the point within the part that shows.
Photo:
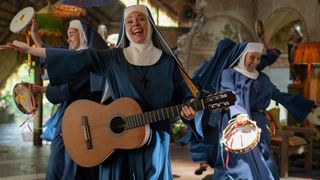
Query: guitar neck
(172,112)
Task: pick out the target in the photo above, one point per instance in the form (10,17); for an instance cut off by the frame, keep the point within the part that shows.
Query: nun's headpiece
(89,37)
(239,62)
(157,39)
(77,25)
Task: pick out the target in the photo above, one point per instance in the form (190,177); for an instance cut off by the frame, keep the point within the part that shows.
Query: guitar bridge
(86,132)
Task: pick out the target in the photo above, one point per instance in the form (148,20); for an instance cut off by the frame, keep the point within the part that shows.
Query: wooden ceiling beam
(4,24)
(98,10)
(13,6)
(5,15)
(166,6)
(3,29)
(4,37)
(90,12)
(91,21)
(5,10)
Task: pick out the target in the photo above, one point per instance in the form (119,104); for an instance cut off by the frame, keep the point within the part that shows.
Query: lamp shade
(307,53)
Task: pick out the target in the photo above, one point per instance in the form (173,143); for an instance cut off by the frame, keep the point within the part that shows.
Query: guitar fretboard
(137,120)
(158,115)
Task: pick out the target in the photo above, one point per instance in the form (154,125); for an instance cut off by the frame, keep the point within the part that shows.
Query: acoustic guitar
(92,132)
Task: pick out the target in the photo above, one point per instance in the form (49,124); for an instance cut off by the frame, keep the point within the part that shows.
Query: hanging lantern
(48,24)
(85,3)
(67,11)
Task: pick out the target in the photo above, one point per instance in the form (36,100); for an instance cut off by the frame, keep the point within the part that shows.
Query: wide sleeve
(298,106)
(65,66)
(67,91)
(182,94)
(58,94)
(269,58)
(228,83)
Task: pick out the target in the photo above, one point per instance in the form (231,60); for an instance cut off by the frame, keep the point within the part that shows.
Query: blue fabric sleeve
(298,106)
(182,93)
(65,66)
(58,94)
(269,58)
(195,125)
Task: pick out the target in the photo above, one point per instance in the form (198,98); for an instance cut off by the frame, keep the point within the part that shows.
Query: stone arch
(277,26)
(203,41)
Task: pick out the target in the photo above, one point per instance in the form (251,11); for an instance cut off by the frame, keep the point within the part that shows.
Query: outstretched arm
(24,48)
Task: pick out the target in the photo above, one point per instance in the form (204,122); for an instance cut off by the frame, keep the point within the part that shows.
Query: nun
(142,67)
(207,77)
(87,86)
(254,91)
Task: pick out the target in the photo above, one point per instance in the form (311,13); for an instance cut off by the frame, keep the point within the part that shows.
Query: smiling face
(73,38)
(136,25)
(251,61)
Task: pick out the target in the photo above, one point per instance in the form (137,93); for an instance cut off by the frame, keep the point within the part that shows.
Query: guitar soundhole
(117,125)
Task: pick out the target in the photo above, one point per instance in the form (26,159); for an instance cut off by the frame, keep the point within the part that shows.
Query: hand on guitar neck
(188,113)
(92,132)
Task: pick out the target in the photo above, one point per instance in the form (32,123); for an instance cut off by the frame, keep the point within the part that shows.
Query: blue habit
(208,78)
(156,86)
(253,97)
(85,86)
(60,165)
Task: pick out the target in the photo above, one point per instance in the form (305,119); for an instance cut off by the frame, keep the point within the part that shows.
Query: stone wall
(217,19)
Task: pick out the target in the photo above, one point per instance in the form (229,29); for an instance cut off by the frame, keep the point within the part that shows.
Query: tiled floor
(20,160)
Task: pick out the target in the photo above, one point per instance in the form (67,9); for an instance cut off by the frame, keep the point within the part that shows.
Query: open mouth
(137,31)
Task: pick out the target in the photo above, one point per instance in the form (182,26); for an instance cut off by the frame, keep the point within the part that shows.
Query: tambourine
(259,28)
(22,20)
(314,117)
(239,138)
(24,98)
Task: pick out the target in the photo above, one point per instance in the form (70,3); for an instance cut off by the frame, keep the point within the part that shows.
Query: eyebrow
(72,31)
(139,15)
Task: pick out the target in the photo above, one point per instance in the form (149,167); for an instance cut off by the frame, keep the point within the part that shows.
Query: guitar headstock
(219,101)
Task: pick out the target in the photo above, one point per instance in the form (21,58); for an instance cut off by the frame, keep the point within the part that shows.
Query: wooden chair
(289,140)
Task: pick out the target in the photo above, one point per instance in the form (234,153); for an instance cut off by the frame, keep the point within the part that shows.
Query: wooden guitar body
(91,131)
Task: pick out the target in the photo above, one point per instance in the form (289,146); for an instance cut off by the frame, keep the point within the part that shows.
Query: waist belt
(257,110)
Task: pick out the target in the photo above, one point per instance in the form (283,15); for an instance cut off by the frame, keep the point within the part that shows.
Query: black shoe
(201,169)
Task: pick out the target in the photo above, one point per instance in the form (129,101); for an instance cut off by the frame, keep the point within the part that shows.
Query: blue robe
(253,95)
(165,87)
(84,86)
(207,77)
(60,165)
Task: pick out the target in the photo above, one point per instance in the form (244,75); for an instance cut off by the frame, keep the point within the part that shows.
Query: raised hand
(35,33)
